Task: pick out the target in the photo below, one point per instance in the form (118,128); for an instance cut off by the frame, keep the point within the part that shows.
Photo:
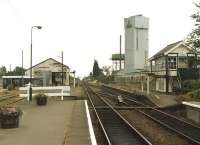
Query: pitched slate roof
(48,60)
(167,48)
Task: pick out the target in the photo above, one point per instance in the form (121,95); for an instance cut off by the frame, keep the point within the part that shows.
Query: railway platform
(57,123)
(162,100)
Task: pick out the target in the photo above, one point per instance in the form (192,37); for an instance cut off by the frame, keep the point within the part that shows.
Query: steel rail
(166,119)
(146,140)
(124,97)
(145,100)
(137,133)
(99,120)
(18,100)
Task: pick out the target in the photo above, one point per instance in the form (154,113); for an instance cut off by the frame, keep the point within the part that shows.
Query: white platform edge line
(92,136)
(191,104)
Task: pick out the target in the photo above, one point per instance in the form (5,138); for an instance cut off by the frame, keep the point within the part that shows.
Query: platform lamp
(30,88)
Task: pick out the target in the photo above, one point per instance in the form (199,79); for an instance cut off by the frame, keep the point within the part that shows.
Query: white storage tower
(136,42)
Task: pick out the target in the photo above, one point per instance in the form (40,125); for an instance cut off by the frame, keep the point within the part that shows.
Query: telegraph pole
(62,66)
(120,52)
(74,79)
(22,67)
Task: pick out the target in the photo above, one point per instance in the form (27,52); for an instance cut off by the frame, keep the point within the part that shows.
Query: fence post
(147,84)
(27,90)
(62,94)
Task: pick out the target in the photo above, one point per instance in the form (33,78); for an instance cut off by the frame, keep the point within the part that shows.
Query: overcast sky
(85,29)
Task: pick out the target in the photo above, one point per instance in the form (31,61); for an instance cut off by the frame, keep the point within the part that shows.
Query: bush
(190,85)
(194,94)
(190,96)
(104,79)
(41,99)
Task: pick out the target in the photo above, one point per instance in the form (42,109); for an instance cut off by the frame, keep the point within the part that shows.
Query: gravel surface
(157,134)
(181,113)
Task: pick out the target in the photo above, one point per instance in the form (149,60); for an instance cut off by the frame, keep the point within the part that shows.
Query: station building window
(172,62)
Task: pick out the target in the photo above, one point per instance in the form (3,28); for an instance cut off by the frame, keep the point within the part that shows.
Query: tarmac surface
(57,123)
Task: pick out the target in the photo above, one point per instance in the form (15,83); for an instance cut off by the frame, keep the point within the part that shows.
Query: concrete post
(147,84)
(62,94)
(142,87)
(74,80)
(141,80)
(28,92)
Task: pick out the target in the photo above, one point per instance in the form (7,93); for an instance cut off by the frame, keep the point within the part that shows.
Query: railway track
(181,127)
(9,99)
(116,128)
(140,99)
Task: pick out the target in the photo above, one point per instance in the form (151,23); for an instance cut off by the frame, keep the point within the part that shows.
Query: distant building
(173,64)
(49,72)
(136,42)
(45,73)
(15,81)
(116,61)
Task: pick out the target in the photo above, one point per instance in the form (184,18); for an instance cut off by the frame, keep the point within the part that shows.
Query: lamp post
(62,68)
(22,71)
(30,89)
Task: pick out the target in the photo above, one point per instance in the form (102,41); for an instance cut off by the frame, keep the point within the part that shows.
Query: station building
(173,64)
(116,60)
(49,73)
(46,73)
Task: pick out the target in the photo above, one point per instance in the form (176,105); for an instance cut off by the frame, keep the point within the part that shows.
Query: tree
(3,71)
(18,71)
(96,70)
(193,39)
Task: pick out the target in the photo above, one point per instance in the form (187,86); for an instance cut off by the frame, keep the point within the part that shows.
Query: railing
(49,91)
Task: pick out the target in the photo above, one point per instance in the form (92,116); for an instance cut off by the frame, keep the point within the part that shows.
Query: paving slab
(77,134)
(49,125)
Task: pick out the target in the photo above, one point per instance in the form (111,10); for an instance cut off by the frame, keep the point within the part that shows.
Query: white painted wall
(161,85)
(49,66)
